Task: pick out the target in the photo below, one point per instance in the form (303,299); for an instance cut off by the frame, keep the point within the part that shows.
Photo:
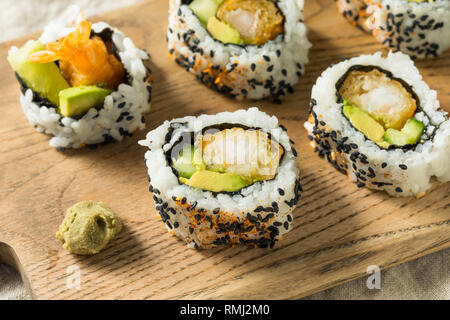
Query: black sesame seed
(259,209)
(251,218)
(193,206)
(294,152)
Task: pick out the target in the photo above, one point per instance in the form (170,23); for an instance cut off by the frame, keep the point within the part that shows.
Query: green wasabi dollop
(88,227)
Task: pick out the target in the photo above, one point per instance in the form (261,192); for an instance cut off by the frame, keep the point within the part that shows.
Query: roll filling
(380,106)
(243,22)
(228,160)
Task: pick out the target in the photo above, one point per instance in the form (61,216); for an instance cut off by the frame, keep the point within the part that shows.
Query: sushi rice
(257,215)
(400,171)
(122,112)
(255,72)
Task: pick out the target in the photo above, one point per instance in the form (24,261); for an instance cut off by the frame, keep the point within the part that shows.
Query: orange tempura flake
(83,60)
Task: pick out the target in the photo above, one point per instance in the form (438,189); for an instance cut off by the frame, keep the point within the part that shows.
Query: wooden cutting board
(339,230)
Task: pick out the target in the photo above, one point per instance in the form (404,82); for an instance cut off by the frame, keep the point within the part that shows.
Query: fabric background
(11,286)
(424,278)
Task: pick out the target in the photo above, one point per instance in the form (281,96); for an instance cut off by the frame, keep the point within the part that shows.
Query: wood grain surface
(338,231)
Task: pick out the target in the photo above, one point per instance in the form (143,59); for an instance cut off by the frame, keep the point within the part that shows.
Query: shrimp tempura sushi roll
(354,11)
(246,48)
(225,179)
(84,85)
(419,28)
(377,121)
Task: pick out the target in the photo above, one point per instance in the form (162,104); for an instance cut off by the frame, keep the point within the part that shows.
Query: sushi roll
(419,28)
(225,179)
(245,48)
(84,85)
(354,11)
(377,121)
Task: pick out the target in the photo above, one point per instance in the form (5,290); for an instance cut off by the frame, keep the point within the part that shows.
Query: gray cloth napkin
(11,286)
(426,278)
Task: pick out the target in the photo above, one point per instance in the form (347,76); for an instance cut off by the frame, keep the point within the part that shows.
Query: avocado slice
(43,78)
(205,9)
(77,101)
(413,128)
(410,133)
(192,172)
(215,181)
(189,161)
(223,31)
(362,121)
(183,164)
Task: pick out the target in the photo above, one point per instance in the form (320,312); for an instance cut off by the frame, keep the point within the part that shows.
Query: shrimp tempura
(83,60)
